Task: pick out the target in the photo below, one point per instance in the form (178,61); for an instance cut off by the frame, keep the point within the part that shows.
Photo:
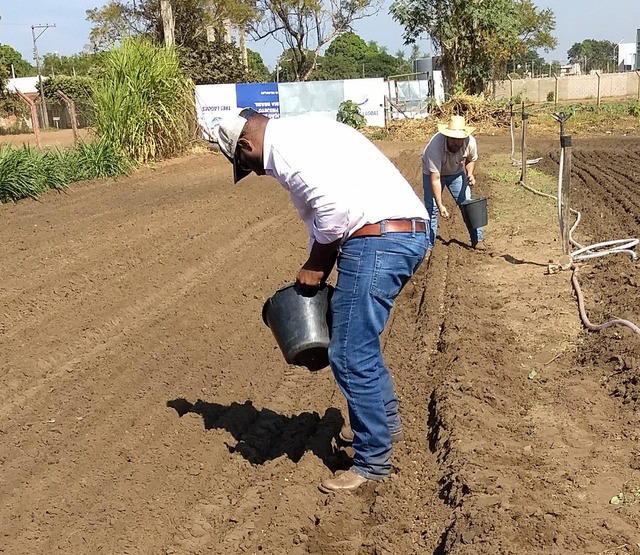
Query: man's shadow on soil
(510,259)
(516,261)
(448,242)
(264,435)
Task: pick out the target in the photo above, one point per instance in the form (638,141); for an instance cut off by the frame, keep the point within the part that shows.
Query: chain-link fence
(57,115)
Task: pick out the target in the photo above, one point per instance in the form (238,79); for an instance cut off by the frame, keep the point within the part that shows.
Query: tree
(120,19)
(475,39)
(10,57)
(535,26)
(594,54)
(212,62)
(529,62)
(204,61)
(257,70)
(350,57)
(343,58)
(76,64)
(303,27)
(76,88)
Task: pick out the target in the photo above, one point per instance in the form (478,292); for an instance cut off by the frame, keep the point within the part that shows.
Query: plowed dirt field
(147,410)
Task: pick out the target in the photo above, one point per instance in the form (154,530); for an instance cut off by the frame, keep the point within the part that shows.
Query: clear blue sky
(576,20)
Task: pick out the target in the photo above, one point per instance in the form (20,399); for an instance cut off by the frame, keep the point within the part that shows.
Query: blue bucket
(301,325)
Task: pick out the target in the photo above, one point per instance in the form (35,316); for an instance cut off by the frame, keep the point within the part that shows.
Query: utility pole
(43,106)
(168,23)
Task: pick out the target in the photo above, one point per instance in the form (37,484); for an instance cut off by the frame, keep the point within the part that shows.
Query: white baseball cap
(226,132)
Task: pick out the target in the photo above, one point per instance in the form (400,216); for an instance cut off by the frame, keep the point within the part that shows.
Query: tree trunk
(168,23)
(242,40)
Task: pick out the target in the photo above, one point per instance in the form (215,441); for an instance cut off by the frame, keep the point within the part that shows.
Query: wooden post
(168,23)
(565,143)
(598,97)
(555,96)
(71,106)
(525,122)
(34,115)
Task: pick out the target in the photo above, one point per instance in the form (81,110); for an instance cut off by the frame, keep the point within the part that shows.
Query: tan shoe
(346,435)
(347,481)
(479,246)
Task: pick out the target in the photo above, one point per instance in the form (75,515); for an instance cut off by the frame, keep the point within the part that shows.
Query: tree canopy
(304,27)
(76,64)
(350,57)
(476,40)
(120,19)
(594,54)
(204,61)
(10,56)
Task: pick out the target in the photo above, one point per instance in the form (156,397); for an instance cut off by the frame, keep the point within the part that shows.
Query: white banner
(213,102)
(368,94)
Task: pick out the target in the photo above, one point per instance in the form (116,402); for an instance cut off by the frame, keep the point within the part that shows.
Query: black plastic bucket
(301,325)
(474,212)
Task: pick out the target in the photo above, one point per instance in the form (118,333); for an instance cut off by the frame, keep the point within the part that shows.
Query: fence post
(598,97)
(34,115)
(638,74)
(510,86)
(555,95)
(71,106)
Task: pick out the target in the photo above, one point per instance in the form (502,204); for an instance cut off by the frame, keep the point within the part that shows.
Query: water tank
(423,67)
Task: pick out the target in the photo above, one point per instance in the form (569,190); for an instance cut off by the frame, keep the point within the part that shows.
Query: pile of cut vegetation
(484,114)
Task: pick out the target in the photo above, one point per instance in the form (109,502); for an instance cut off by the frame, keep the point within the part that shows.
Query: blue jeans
(460,191)
(371,273)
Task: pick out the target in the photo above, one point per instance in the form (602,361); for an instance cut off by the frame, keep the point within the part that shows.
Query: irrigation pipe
(585,319)
(596,250)
(624,246)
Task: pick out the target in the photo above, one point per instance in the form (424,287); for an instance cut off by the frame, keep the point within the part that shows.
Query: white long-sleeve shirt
(338,180)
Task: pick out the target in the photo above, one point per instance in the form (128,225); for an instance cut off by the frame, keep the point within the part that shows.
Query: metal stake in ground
(525,124)
(564,183)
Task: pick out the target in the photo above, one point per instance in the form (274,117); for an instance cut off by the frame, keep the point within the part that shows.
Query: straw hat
(456,128)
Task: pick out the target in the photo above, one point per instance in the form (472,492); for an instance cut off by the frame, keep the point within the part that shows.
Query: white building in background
(26,85)
(627,56)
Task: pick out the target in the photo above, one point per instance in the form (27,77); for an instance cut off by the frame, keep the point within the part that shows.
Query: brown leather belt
(390,226)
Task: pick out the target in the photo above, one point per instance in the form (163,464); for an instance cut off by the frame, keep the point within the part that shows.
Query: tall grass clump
(144,104)
(27,172)
(21,173)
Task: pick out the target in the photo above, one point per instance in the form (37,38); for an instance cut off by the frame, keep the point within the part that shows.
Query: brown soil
(147,409)
(48,138)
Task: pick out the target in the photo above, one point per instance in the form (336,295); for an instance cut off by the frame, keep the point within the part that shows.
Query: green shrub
(27,172)
(349,113)
(21,173)
(144,106)
(551,96)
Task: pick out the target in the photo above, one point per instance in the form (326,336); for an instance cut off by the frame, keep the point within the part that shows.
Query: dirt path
(147,409)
